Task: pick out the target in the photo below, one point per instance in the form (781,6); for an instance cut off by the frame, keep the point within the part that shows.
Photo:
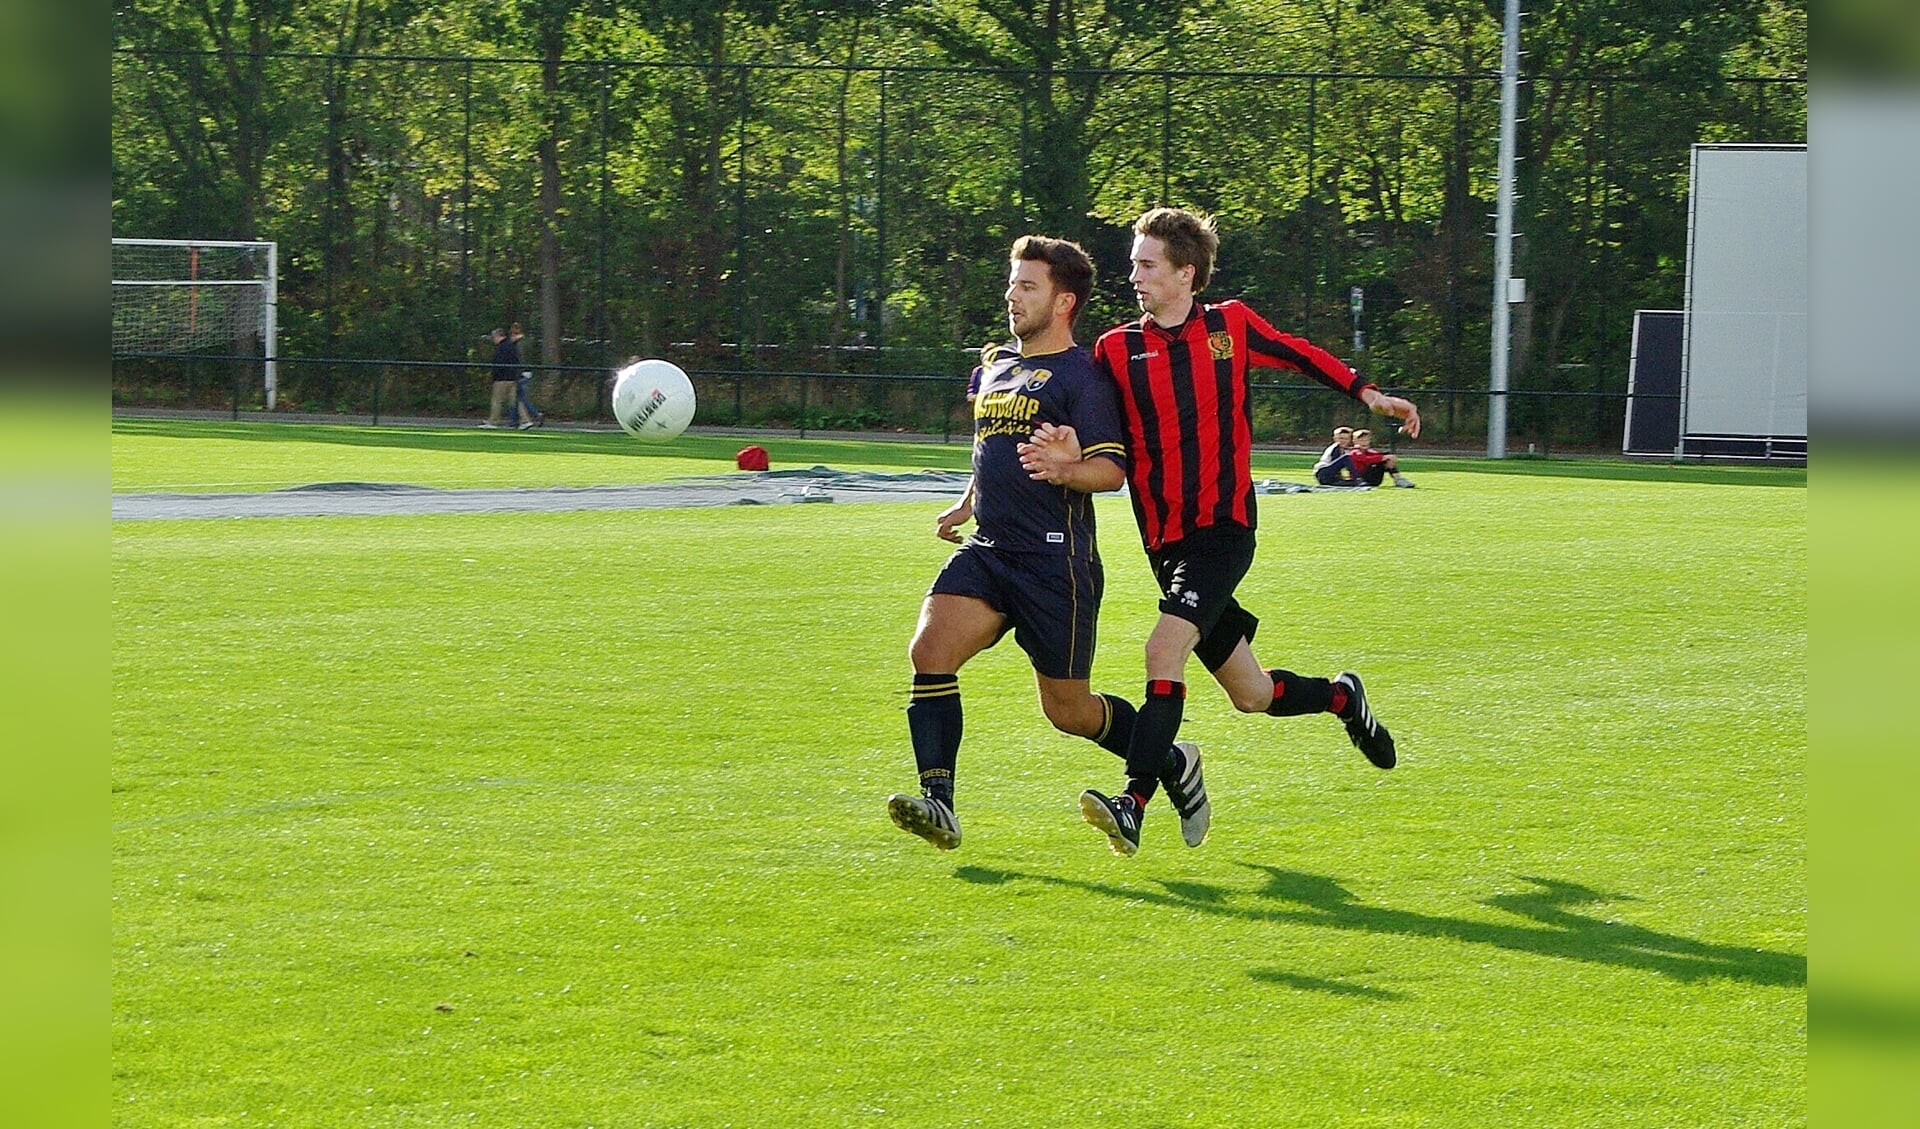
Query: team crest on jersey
(1222,345)
(1036,378)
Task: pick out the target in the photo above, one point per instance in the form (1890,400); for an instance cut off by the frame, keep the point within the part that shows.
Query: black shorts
(1197,575)
(1374,475)
(1052,603)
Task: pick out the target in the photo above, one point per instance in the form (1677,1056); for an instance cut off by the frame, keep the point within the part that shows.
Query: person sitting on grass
(1372,465)
(1335,467)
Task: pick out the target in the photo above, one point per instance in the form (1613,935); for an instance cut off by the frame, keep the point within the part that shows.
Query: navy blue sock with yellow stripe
(1117,734)
(934,723)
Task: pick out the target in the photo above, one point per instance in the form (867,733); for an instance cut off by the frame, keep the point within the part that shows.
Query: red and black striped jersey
(1189,418)
(1364,457)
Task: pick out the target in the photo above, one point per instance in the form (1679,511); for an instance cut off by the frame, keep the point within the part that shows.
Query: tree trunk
(552,43)
(837,325)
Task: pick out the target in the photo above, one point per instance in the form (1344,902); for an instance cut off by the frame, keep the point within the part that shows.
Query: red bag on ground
(751,458)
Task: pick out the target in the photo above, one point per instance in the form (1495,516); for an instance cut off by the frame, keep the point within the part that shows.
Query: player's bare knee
(1166,652)
(1075,712)
(929,657)
(1058,714)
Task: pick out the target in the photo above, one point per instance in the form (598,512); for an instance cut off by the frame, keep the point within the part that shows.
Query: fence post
(1313,226)
(1546,424)
(879,224)
(466,202)
(743,292)
(1166,133)
(605,326)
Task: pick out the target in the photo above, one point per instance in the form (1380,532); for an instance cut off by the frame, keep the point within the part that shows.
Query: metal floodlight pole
(1503,236)
(270,330)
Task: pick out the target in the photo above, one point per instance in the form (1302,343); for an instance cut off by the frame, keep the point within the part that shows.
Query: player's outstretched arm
(947,526)
(1400,409)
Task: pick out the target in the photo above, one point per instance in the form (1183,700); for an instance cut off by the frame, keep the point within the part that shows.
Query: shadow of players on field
(1552,928)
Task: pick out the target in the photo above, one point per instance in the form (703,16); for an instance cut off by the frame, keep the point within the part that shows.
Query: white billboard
(1744,373)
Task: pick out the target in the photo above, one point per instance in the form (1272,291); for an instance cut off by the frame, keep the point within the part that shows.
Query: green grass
(577,819)
(199,456)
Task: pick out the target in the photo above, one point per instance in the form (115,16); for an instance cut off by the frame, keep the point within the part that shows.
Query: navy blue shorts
(1197,575)
(1052,603)
(1336,472)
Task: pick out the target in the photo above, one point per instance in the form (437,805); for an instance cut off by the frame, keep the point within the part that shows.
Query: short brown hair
(1067,265)
(1188,237)
(1338,430)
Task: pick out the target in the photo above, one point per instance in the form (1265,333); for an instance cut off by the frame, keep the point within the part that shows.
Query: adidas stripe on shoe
(1363,729)
(1117,818)
(926,817)
(1189,795)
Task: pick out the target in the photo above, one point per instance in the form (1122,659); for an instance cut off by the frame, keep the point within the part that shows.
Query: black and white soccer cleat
(1363,729)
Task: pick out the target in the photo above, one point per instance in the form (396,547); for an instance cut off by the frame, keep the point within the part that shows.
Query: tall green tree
(577,156)
(545,25)
(1054,55)
(204,84)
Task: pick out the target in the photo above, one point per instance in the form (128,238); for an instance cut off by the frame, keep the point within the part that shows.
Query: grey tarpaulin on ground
(377,499)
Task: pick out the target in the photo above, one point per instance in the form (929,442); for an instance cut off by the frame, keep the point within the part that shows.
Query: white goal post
(177,295)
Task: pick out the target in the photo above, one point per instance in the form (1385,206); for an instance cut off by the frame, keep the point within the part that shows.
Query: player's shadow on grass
(1552,926)
(1321,984)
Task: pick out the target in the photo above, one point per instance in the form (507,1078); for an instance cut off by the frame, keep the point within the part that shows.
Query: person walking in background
(1372,466)
(1031,565)
(1335,467)
(530,416)
(1181,372)
(505,367)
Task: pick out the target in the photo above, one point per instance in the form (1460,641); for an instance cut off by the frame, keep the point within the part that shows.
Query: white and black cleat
(1363,729)
(1189,796)
(926,817)
(1117,818)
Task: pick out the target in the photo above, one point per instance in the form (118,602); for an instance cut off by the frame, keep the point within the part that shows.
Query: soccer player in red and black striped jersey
(1181,372)
(1031,565)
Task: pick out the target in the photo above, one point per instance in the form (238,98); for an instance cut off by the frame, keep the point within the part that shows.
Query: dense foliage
(830,185)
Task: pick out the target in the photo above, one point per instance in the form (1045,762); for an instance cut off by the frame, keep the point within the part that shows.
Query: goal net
(179,296)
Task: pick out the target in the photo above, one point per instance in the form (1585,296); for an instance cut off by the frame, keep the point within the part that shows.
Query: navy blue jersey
(1011,511)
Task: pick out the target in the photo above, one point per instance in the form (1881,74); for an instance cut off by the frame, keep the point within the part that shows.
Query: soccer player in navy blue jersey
(1181,372)
(1031,565)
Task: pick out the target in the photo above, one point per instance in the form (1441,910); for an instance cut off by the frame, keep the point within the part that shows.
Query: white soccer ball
(653,400)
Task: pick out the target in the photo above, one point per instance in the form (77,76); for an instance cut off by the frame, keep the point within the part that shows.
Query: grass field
(578,819)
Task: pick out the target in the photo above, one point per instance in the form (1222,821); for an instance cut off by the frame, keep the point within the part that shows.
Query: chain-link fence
(824,247)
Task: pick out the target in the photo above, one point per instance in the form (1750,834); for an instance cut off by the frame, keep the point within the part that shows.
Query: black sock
(1295,694)
(1154,728)
(1118,733)
(933,721)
